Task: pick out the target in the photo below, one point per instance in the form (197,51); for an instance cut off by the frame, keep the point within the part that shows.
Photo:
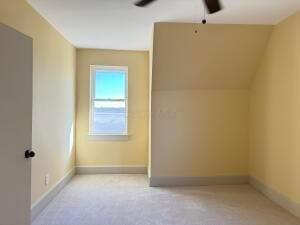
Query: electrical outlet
(47,179)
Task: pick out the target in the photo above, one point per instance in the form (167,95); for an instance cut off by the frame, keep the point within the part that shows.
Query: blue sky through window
(108,116)
(110,84)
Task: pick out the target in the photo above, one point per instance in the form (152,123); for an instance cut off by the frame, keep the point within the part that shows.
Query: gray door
(15,126)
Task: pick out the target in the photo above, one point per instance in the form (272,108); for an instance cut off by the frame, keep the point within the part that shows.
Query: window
(108,101)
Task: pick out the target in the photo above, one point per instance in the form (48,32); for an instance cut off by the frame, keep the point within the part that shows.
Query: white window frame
(93,69)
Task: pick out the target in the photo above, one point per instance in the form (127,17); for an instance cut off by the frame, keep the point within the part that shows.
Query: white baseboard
(41,204)
(111,170)
(275,196)
(156,181)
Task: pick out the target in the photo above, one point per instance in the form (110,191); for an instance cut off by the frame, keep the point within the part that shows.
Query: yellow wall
(102,153)
(216,57)
(275,110)
(199,124)
(199,133)
(53,94)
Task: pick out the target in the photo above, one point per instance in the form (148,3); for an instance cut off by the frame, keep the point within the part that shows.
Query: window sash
(93,100)
(108,100)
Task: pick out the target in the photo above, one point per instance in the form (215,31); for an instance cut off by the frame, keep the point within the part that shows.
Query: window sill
(107,137)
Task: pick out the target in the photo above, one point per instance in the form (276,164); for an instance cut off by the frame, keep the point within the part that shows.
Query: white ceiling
(118,24)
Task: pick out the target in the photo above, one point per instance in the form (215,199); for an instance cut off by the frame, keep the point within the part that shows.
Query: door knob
(29,154)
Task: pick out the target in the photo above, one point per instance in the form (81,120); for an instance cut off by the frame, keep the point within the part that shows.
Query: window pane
(109,117)
(109,84)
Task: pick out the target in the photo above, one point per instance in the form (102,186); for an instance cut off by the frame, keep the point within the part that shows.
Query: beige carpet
(127,200)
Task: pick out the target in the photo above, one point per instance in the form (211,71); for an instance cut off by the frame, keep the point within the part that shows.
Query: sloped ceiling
(193,56)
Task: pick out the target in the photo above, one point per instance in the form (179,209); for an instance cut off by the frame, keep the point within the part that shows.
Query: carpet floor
(127,200)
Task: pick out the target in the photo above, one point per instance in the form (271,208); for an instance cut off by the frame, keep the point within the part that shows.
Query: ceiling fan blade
(143,3)
(213,6)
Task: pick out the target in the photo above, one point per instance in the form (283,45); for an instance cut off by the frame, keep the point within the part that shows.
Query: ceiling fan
(213,6)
